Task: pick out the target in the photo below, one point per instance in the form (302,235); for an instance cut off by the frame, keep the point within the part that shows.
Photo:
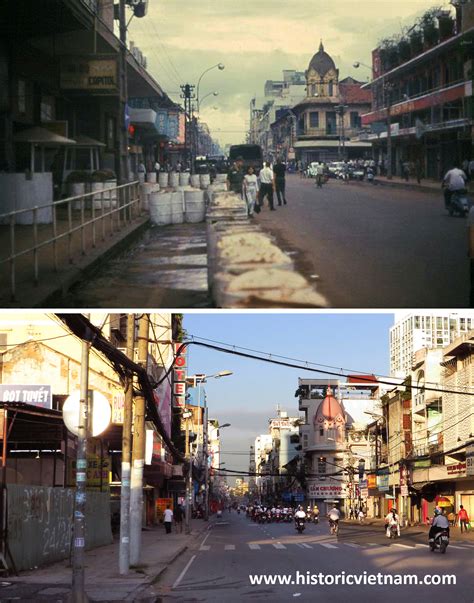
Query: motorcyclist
(334,515)
(392,519)
(454,181)
(300,514)
(439,523)
(316,511)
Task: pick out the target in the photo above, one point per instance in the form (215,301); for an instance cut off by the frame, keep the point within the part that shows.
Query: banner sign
(456,469)
(470,460)
(372,481)
(37,395)
(118,403)
(326,490)
(383,482)
(81,73)
(179,376)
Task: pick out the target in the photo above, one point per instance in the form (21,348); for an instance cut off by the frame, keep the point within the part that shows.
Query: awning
(144,118)
(318,144)
(86,141)
(43,137)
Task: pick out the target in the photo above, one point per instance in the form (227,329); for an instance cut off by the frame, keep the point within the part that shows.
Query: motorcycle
(458,203)
(393,531)
(299,524)
(440,542)
(334,526)
(315,519)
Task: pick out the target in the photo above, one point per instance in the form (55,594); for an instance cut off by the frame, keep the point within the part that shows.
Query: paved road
(374,246)
(218,568)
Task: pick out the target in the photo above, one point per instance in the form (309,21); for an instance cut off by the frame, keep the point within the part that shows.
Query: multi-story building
(416,330)
(321,125)
(422,93)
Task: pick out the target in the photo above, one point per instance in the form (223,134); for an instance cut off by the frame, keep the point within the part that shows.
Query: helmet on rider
(437,511)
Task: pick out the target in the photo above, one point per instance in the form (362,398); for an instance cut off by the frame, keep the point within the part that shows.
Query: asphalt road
(218,568)
(373,246)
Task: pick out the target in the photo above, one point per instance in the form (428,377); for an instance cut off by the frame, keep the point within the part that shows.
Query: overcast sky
(249,397)
(256,40)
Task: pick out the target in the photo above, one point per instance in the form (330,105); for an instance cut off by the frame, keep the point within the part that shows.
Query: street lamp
(225,425)
(219,66)
(198,379)
(200,101)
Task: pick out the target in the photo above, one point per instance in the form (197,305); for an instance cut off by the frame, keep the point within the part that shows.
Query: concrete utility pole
(206,464)
(79,530)
(189,480)
(138,451)
(387,87)
(124,555)
(121,154)
(188,95)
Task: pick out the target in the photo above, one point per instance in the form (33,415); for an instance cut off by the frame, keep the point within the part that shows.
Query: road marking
(229,547)
(278,545)
(327,545)
(453,546)
(422,546)
(204,547)
(403,546)
(205,538)
(306,546)
(254,547)
(182,574)
(374,544)
(353,545)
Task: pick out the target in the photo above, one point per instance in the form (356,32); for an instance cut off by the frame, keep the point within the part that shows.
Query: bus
(251,154)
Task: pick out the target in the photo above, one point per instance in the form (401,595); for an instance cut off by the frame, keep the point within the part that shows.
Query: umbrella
(443,501)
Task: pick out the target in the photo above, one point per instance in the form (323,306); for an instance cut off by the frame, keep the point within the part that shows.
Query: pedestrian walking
(250,191)
(361,515)
(279,170)
(235,177)
(418,171)
(406,170)
(463,518)
(178,518)
(266,186)
(168,519)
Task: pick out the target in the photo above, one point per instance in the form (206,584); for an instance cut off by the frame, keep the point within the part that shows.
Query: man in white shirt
(168,519)
(266,185)
(454,180)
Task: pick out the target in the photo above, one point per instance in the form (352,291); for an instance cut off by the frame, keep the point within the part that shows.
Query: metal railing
(74,224)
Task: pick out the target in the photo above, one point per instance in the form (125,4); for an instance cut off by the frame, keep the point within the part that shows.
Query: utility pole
(206,464)
(188,95)
(138,451)
(79,530)
(189,479)
(388,98)
(124,555)
(121,153)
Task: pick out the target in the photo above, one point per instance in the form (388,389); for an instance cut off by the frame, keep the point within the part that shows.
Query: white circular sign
(101,413)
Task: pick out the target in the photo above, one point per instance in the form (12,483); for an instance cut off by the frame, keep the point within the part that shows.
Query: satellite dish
(101,413)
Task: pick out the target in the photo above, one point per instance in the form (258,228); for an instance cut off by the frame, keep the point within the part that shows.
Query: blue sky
(248,398)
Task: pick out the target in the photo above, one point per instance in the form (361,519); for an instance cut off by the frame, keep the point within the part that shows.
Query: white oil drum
(163,179)
(160,208)
(205,180)
(195,181)
(195,207)
(173,179)
(177,207)
(184,179)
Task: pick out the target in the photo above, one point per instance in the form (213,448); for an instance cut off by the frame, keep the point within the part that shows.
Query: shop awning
(87,142)
(144,118)
(42,136)
(318,144)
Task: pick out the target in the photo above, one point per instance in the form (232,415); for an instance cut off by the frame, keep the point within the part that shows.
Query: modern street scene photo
(189,155)
(225,457)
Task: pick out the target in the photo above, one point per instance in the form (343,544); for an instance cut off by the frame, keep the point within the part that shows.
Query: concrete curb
(44,295)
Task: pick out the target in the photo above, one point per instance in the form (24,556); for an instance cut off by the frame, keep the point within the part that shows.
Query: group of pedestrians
(254,188)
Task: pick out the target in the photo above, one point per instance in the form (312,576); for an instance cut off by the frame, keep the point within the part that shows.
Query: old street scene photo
(202,154)
(223,457)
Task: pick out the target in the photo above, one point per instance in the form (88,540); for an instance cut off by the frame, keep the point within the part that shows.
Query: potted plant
(416,42)
(428,25)
(446,25)
(389,54)
(404,50)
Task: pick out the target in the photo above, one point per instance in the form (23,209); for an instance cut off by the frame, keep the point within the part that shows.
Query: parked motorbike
(299,524)
(440,542)
(458,203)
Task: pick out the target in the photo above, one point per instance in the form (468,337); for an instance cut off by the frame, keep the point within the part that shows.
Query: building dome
(322,62)
(330,412)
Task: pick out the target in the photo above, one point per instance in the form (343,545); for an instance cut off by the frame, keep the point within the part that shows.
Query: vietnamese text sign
(37,395)
(383,482)
(179,375)
(326,490)
(456,468)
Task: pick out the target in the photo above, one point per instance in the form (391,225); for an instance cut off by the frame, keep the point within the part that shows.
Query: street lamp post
(219,66)
(199,379)
(200,101)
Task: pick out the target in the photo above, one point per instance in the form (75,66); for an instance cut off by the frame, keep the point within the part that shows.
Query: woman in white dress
(250,190)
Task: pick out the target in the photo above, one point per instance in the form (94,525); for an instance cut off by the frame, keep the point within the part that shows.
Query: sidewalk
(432,186)
(102,579)
(455,533)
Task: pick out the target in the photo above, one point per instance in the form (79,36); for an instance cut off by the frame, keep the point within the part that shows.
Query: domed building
(325,121)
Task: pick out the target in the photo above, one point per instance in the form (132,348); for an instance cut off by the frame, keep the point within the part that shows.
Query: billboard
(82,73)
(326,490)
(179,375)
(37,395)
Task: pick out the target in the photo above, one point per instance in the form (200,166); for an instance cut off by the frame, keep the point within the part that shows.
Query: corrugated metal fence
(40,523)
